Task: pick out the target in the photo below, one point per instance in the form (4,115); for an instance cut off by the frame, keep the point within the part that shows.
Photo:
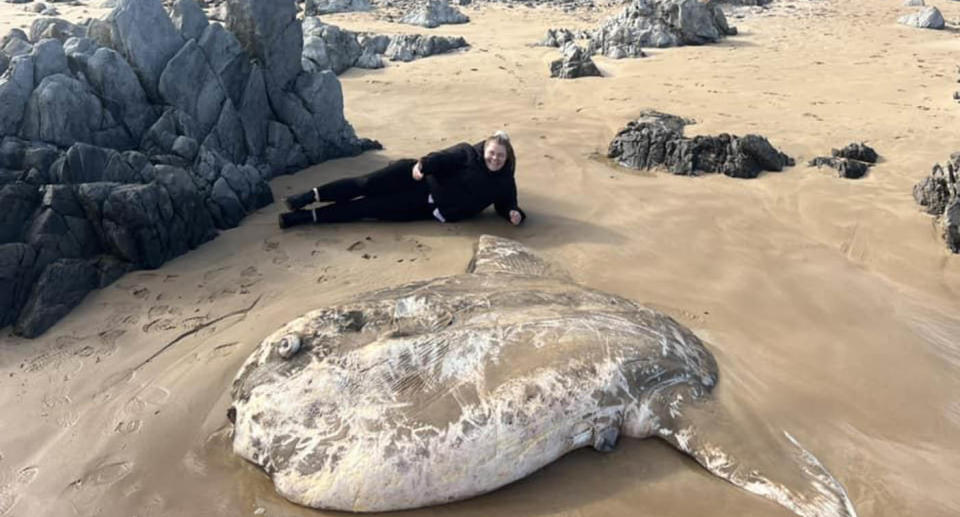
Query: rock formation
(318,7)
(851,162)
(656,139)
(660,23)
(434,13)
(328,47)
(937,194)
(575,63)
(926,18)
(132,139)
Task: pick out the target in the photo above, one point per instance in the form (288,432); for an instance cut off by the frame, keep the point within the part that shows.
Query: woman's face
(495,155)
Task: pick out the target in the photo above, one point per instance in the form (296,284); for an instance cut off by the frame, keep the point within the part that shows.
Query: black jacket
(462,186)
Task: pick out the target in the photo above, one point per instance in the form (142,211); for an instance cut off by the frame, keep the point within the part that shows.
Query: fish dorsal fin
(498,255)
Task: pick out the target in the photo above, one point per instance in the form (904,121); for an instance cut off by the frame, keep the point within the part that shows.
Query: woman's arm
(447,161)
(506,204)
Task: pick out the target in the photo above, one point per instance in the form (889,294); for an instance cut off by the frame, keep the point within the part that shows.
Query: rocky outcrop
(434,13)
(574,63)
(926,18)
(660,23)
(319,7)
(937,194)
(557,38)
(656,140)
(328,47)
(851,162)
(130,140)
(648,23)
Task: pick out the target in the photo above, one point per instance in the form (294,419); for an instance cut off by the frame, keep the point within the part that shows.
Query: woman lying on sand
(448,185)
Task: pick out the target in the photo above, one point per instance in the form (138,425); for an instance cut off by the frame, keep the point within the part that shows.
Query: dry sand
(831,305)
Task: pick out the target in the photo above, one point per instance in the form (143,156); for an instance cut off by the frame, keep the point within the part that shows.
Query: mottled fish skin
(448,388)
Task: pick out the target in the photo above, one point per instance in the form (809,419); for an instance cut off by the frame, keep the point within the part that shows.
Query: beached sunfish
(449,388)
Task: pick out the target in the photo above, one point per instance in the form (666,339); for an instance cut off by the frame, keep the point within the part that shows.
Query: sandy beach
(832,305)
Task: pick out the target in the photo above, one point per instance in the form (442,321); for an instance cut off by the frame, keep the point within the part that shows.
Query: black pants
(388,194)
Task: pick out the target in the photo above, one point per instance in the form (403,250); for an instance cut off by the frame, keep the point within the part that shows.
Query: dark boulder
(656,139)
(19,202)
(938,195)
(17,275)
(851,162)
(61,287)
(574,63)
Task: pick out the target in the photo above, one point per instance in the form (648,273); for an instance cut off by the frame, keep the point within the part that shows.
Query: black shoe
(298,201)
(288,219)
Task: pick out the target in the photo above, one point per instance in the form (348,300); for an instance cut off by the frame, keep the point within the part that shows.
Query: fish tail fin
(769,463)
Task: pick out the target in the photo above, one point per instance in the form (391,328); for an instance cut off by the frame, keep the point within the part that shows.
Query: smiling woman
(447,185)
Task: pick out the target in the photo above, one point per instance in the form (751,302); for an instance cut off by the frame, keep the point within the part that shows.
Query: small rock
(926,18)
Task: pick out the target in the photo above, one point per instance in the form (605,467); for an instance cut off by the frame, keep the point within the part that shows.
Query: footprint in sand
(10,492)
(249,277)
(224,350)
(158,311)
(274,246)
(159,325)
(214,273)
(194,322)
(151,397)
(108,474)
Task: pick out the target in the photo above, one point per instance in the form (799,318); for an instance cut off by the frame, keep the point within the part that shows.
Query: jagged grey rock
(19,200)
(136,168)
(575,63)
(188,83)
(48,59)
(926,18)
(938,195)
(850,169)
(270,32)
(17,47)
(112,78)
(16,86)
(407,47)
(557,38)
(318,7)
(148,38)
(61,110)
(227,58)
(660,23)
(16,278)
(255,112)
(656,139)
(62,286)
(56,28)
(188,18)
(328,47)
(444,389)
(851,162)
(434,13)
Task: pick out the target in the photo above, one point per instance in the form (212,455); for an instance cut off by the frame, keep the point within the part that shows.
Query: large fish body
(449,388)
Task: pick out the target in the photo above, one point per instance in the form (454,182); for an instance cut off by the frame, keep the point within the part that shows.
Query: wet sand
(831,305)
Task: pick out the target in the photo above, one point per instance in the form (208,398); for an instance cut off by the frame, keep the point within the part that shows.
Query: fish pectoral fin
(605,439)
(582,435)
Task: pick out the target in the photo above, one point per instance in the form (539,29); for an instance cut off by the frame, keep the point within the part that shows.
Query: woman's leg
(406,205)
(395,177)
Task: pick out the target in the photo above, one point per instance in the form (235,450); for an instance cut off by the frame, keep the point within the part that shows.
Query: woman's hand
(417,173)
(515,217)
